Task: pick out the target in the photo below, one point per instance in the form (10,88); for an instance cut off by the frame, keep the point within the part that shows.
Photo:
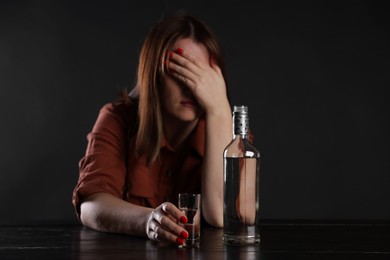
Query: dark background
(313,74)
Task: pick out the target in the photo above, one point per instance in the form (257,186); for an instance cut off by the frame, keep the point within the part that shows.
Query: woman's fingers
(185,60)
(172,210)
(184,70)
(191,71)
(162,224)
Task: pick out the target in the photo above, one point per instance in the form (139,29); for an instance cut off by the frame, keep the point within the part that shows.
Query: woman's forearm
(105,212)
(218,136)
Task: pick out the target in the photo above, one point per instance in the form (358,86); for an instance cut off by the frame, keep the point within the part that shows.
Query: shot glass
(189,204)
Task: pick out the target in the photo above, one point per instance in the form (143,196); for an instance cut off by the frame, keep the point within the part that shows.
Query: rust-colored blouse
(110,166)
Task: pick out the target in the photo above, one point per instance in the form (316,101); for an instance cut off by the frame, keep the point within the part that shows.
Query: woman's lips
(188,103)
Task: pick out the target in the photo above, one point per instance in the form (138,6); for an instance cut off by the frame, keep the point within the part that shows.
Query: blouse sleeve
(103,168)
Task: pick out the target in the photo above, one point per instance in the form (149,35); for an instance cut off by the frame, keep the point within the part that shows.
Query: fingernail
(184,234)
(179,241)
(183,219)
(171,54)
(179,51)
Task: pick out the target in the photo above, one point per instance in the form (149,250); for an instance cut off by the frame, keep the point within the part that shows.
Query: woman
(167,137)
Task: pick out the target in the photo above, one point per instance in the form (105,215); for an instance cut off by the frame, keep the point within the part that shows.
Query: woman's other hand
(194,68)
(162,224)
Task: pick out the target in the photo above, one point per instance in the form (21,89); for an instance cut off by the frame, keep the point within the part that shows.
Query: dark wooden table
(279,241)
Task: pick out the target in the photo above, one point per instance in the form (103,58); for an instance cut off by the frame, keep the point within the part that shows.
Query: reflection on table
(279,241)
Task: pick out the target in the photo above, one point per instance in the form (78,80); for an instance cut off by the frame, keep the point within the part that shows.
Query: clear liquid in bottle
(241,185)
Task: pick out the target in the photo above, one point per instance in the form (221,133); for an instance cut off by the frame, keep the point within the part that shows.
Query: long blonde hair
(151,68)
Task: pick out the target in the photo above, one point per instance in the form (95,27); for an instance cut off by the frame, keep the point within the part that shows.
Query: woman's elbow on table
(214,220)
(98,212)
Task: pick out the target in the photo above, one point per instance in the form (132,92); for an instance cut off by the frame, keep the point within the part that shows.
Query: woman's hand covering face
(193,67)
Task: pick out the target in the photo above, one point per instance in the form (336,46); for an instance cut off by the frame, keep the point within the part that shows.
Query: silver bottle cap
(240,120)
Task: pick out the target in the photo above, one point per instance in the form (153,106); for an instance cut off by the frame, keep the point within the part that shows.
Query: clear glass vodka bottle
(241,184)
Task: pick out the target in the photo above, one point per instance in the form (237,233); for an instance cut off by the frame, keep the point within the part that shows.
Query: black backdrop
(313,75)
